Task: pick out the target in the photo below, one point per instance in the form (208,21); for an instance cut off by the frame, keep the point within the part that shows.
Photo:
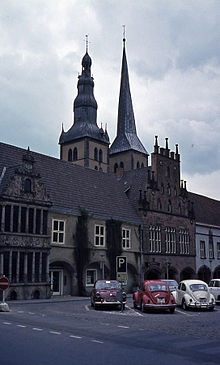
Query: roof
(206,210)
(126,138)
(70,186)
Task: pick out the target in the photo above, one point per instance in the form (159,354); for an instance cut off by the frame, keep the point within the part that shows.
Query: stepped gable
(71,186)
(206,210)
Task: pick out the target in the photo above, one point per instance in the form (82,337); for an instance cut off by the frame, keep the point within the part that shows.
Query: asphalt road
(71,332)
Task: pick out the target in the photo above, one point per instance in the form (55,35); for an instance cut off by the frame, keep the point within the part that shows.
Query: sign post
(121,269)
(4,284)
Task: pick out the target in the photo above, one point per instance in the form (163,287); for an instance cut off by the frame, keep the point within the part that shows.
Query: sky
(173,59)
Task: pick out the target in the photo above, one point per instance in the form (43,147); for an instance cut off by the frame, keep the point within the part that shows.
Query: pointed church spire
(126,138)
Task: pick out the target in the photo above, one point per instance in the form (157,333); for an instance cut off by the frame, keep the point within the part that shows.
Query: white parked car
(194,294)
(214,288)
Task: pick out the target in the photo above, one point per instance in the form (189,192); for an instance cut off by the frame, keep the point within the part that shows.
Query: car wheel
(184,305)
(172,310)
(142,307)
(134,305)
(92,304)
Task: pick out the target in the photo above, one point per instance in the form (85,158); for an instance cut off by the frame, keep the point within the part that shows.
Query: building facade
(64,221)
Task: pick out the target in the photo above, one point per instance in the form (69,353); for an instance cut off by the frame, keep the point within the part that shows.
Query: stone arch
(216,273)
(36,294)
(64,272)
(204,273)
(13,295)
(173,273)
(187,273)
(152,273)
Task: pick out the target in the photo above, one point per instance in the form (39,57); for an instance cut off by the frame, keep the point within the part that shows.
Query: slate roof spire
(85,108)
(126,138)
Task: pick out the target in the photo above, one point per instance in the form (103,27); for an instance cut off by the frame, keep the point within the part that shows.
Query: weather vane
(123,33)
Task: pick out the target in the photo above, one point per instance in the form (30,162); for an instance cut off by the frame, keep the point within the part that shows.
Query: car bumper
(201,305)
(160,306)
(106,302)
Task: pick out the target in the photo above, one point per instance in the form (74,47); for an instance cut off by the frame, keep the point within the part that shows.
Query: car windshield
(158,287)
(195,287)
(108,285)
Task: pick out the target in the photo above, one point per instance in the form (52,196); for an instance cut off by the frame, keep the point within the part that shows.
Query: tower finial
(87,43)
(124,39)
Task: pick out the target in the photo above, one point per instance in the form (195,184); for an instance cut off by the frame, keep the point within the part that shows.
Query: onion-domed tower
(85,143)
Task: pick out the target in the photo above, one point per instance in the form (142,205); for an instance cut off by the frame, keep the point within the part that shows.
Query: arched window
(100,155)
(115,167)
(121,165)
(162,189)
(70,155)
(75,154)
(95,154)
(96,167)
(142,165)
(168,189)
(159,204)
(27,186)
(138,165)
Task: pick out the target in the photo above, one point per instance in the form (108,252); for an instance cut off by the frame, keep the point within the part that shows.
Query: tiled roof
(207,210)
(71,186)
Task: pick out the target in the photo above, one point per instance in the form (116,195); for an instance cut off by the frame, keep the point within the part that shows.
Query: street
(69,331)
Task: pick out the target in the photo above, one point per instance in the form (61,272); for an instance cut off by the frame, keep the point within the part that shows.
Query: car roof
(193,281)
(153,282)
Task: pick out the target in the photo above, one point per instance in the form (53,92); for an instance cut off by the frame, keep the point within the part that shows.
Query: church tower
(126,152)
(85,143)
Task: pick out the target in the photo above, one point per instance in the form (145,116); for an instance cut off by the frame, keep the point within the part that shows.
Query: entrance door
(56,282)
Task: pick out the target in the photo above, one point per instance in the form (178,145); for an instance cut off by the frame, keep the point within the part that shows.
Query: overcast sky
(173,58)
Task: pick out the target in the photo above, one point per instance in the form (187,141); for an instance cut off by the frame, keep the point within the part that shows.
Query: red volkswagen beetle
(154,294)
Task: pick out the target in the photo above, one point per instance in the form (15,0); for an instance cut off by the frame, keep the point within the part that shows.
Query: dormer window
(27,186)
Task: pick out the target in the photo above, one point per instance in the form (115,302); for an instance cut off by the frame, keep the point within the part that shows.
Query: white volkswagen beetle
(194,294)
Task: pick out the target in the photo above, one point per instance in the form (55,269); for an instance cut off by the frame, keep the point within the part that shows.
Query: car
(108,292)
(154,294)
(173,285)
(214,288)
(193,293)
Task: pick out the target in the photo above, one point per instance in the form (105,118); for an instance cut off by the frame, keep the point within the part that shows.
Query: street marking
(72,336)
(96,341)
(31,313)
(123,327)
(55,333)
(37,329)
(87,307)
(6,323)
(20,311)
(21,326)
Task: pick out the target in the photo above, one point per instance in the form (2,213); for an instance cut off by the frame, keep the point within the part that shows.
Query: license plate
(161,300)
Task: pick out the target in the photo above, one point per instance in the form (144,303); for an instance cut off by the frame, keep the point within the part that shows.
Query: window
(91,277)
(27,186)
(184,241)
(211,251)
(155,239)
(99,235)
(58,231)
(100,155)
(95,154)
(38,221)
(168,189)
(23,219)
(218,250)
(202,250)
(126,238)
(31,220)
(45,215)
(170,234)
(162,189)
(15,218)
(70,155)
(121,165)
(138,165)
(75,154)
(7,218)
(169,207)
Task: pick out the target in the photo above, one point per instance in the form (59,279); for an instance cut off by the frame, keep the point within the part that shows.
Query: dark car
(108,292)
(154,294)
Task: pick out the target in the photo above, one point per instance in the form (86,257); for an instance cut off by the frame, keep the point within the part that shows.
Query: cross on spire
(87,42)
